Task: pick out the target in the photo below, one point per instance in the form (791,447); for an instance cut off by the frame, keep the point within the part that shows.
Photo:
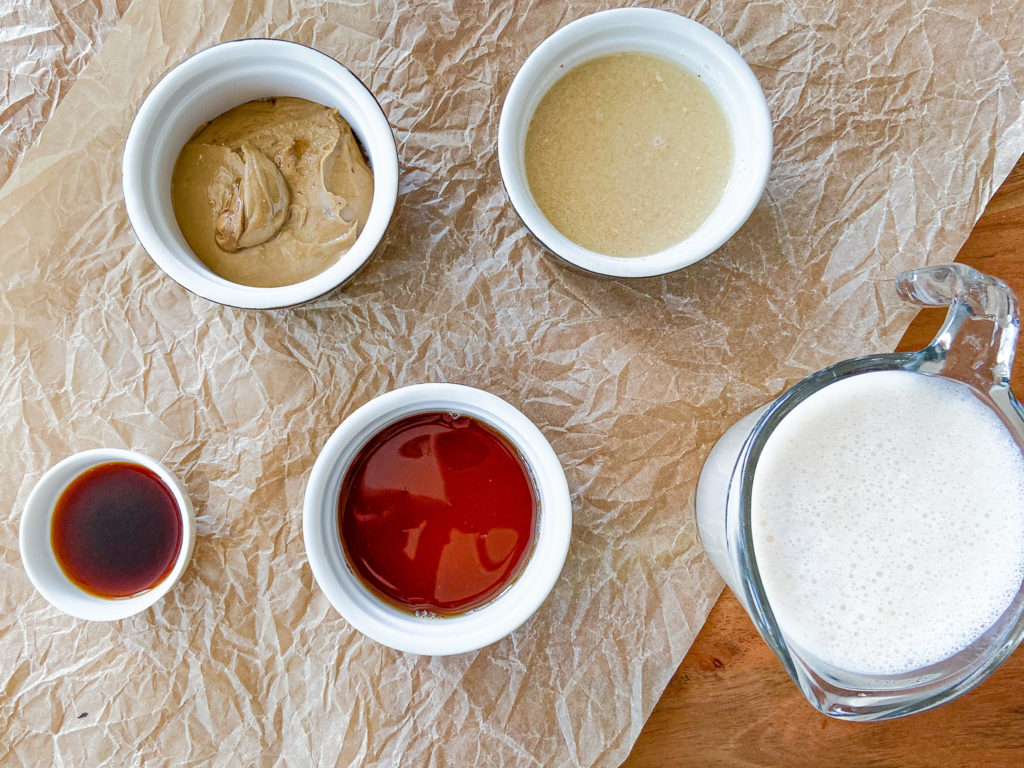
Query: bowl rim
(211,286)
(401,630)
(537,64)
(36,520)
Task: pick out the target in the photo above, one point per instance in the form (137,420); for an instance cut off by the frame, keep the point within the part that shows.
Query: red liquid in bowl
(438,513)
(116,530)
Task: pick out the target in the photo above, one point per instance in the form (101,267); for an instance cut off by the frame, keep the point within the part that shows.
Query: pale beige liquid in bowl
(628,154)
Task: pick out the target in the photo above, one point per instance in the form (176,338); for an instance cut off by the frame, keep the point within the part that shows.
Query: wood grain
(730,703)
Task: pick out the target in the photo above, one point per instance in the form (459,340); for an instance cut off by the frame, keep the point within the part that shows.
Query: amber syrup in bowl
(116,530)
(437,513)
(436,519)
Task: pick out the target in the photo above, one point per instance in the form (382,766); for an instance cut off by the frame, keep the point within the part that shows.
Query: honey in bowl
(438,513)
(116,530)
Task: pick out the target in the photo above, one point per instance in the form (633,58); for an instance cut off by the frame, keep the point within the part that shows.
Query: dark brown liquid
(116,530)
(438,512)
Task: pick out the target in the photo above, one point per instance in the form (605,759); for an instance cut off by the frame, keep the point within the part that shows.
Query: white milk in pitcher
(888,521)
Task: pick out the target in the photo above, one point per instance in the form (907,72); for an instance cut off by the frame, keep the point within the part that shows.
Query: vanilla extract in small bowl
(116,530)
(106,533)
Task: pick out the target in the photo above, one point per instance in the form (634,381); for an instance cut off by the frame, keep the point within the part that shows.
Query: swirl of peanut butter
(272,192)
(257,204)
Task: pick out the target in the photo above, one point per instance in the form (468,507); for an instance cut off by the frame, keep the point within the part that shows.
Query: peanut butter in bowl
(272,192)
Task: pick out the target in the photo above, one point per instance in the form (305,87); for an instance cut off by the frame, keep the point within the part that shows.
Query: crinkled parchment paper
(894,123)
(43,47)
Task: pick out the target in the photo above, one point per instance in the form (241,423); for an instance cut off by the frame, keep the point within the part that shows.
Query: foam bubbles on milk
(888,521)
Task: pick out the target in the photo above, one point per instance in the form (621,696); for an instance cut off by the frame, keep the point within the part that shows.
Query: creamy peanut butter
(272,192)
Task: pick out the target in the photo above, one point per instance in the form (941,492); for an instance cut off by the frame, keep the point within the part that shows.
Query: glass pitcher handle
(978,339)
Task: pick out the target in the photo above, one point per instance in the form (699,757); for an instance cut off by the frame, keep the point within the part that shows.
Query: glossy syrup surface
(116,530)
(438,513)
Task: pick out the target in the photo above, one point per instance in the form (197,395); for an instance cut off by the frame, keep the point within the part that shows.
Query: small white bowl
(37,553)
(207,85)
(671,36)
(403,631)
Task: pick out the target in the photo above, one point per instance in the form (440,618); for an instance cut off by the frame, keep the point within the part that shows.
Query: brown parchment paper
(43,47)
(894,123)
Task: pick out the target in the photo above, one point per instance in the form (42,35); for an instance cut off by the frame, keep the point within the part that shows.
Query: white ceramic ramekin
(207,85)
(403,631)
(696,48)
(37,553)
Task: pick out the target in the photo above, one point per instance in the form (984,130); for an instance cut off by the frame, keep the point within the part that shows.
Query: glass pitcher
(975,346)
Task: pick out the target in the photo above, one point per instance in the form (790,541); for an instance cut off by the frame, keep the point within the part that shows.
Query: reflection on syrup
(437,513)
(116,530)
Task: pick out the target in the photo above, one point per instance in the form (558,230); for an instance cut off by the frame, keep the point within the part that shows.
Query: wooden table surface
(731,703)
